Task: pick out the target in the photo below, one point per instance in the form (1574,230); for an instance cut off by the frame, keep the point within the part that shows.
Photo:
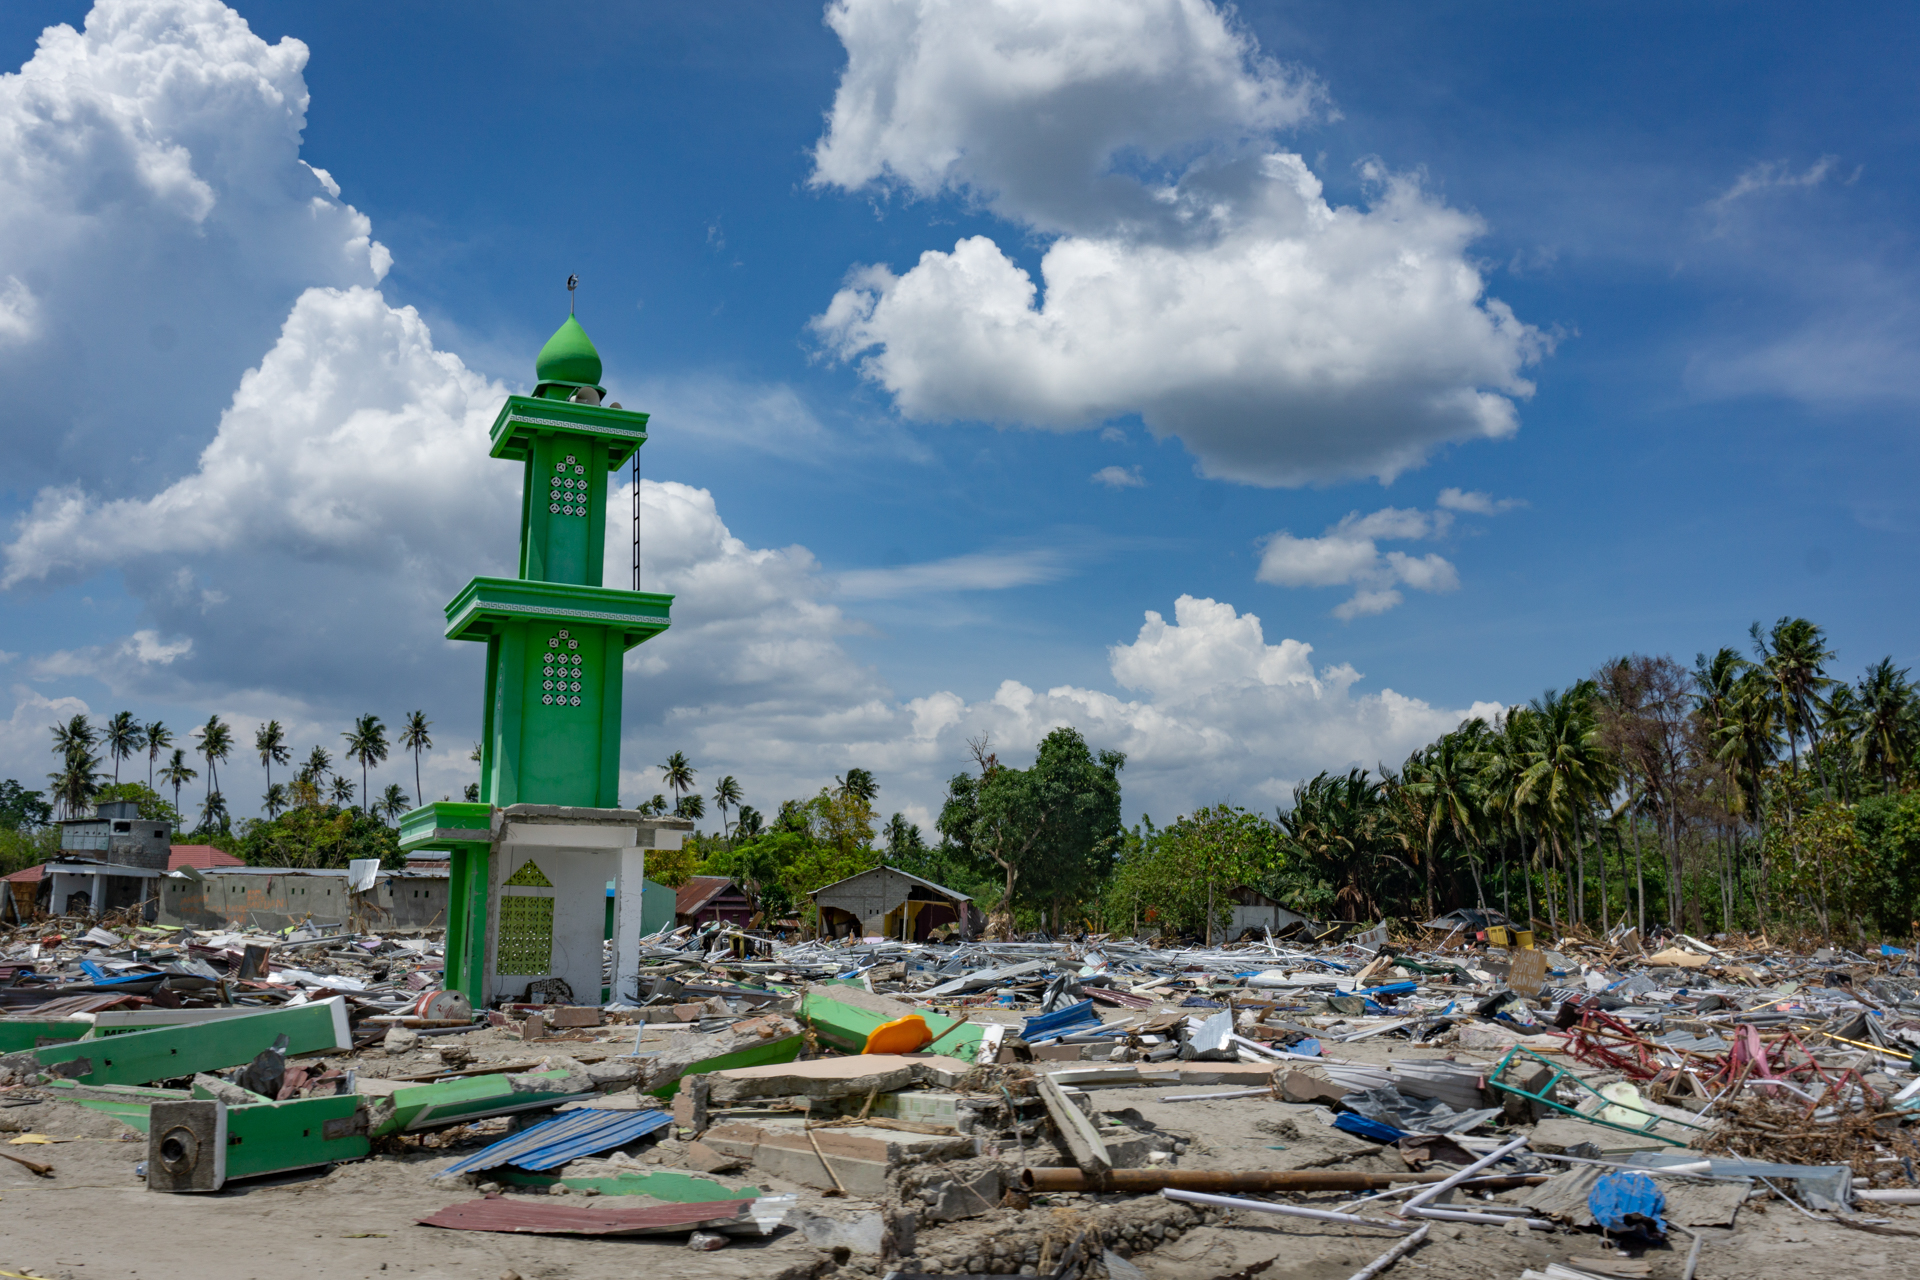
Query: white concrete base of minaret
(578,852)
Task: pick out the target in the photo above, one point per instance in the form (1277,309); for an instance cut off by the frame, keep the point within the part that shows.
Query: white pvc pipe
(1441,1188)
(1288,1210)
(1208,1097)
(1495,1219)
(1391,1256)
(1889,1197)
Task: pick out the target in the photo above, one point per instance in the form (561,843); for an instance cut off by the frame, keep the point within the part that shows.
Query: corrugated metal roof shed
(569,1136)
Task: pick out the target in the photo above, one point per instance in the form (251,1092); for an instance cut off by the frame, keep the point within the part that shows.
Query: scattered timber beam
(1082,1139)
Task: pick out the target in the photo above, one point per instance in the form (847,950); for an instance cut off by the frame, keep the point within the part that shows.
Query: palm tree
(655,806)
(270,740)
(1446,784)
(275,800)
(341,792)
(1794,656)
(216,744)
(178,773)
(159,738)
(213,811)
(903,837)
(690,806)
(367,743)
(1886,715)
(860,785)
(77,781)
(749,824)
(319,764)
(415,738)
(677,774)
(77,732)
(122,737)
(1565,766)
(392,803)
(726,795)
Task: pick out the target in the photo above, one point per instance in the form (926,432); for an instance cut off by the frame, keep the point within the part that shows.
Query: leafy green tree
(21,809)
(1052,830)
(416,736)
(121,737)
(152,805)
(1187,872)
(366,743)
(270,743)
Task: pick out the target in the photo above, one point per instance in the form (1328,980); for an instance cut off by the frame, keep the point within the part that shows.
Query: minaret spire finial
(573,282)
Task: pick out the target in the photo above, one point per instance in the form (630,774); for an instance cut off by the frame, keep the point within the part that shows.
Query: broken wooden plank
(1082,1139)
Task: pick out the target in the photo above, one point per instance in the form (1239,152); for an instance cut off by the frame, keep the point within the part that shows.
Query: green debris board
(784,1049)
(846,1027)
(164,1053)
(17,1034)
(272,1137)
(424,1106)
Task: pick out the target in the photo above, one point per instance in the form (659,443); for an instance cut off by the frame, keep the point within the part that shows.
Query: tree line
(1754,790)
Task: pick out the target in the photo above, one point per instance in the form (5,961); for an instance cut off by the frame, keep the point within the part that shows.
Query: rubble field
(238,1105)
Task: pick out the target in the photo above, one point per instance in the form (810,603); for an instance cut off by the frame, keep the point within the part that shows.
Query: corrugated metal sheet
(1067,1021)
(569,1136)
(521,1213)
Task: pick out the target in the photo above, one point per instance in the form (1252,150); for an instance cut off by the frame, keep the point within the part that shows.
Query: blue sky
(1698,219)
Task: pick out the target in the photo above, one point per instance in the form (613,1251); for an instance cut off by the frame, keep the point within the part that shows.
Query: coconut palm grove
(1756,788)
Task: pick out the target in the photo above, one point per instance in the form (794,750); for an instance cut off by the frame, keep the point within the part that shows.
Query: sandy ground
(95,1220)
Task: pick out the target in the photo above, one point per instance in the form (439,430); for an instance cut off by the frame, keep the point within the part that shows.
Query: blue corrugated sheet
(568,1136)
(1061,1022)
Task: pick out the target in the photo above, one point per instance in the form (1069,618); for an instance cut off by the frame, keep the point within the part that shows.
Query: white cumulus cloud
(155,223)
(1348,554)
(1119,478)
(1196,274)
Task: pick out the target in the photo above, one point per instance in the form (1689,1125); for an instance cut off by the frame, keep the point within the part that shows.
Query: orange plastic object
(902,1035)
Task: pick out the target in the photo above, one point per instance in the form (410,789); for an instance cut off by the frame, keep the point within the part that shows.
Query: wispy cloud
(976,571)
(1119,478)
(1773,174)
(1475,502)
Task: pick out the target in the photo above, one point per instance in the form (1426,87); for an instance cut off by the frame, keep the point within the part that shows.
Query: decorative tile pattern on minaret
(555,636)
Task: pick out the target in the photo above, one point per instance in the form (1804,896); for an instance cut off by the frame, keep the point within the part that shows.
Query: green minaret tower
(554,635)
(550,747)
